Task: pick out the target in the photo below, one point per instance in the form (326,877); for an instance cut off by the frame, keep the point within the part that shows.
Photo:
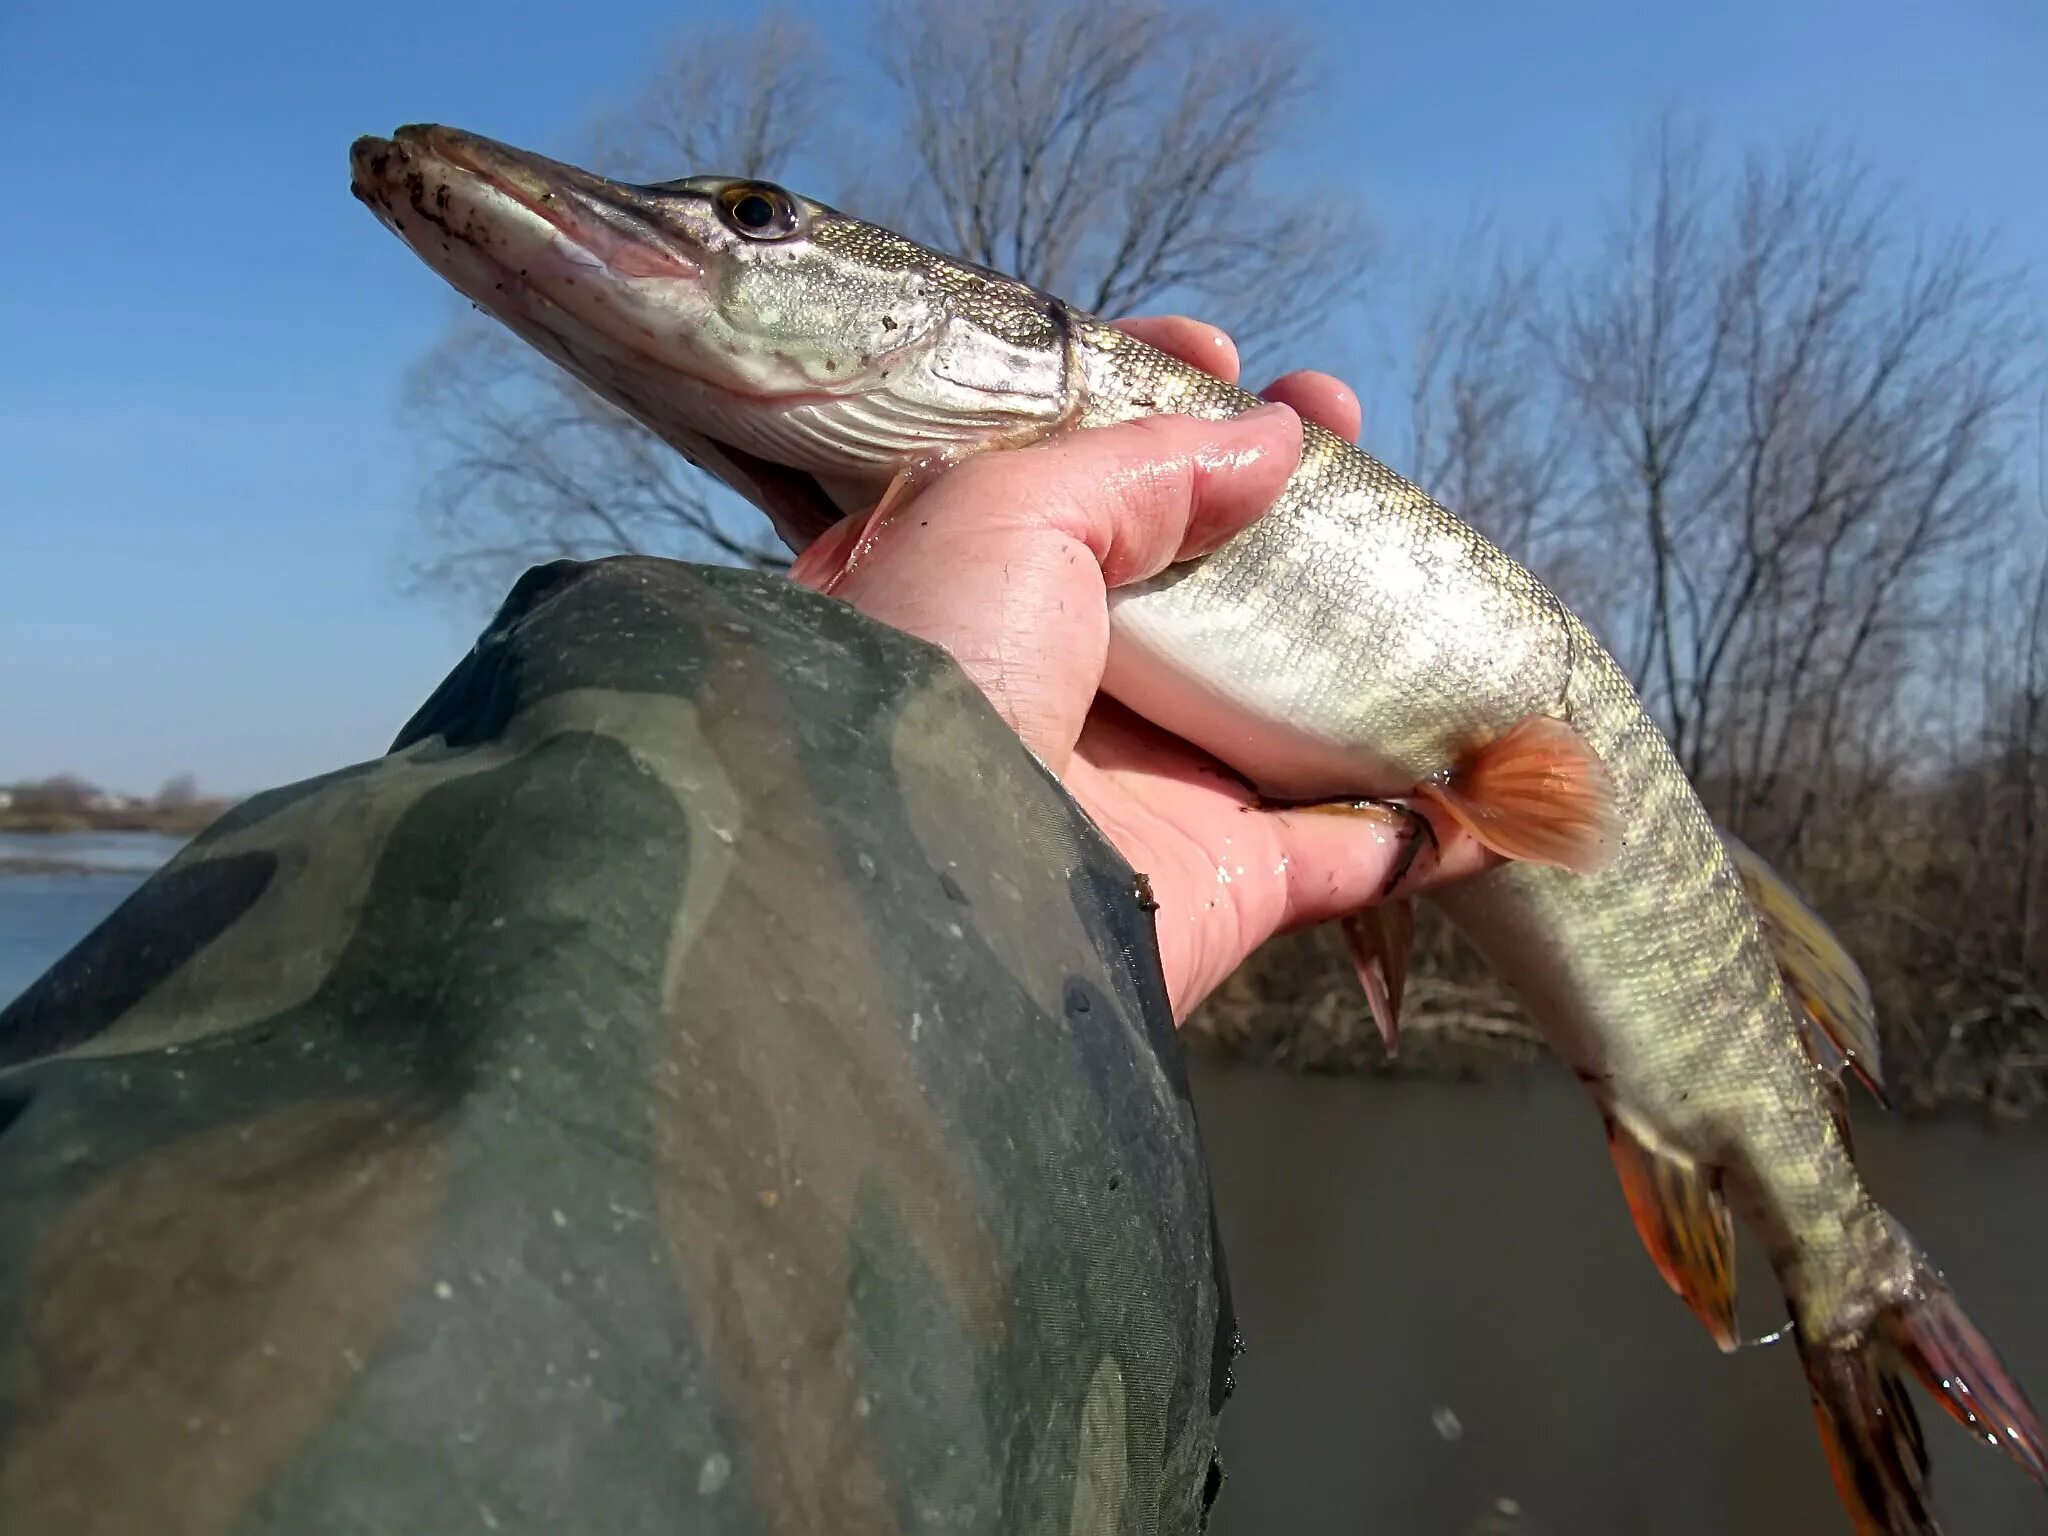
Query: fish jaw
(611,299)
(800,369)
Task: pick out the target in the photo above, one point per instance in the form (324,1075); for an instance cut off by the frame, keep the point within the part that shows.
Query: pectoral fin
(1685,1223)
(1538,793)
(1817,967)
(833,556)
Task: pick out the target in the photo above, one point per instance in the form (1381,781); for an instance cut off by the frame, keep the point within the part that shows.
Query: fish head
(801,355)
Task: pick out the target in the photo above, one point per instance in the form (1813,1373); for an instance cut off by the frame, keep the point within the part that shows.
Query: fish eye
(757,210)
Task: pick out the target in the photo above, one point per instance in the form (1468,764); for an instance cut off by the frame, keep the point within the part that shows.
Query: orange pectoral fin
(1538,793)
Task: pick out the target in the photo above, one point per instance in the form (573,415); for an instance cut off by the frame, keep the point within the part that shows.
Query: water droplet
(444,1290)
(713,1475)
(1448,1424)
(558,1218)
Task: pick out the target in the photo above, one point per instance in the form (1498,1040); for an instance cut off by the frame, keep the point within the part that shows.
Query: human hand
(1006,562)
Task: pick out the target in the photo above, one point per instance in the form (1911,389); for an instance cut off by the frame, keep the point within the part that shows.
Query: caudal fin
(1866,1420)
(1872,1437)
(1958,1365)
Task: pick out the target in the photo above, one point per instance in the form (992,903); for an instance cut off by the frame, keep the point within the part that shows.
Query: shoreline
(21,868)
(187,822)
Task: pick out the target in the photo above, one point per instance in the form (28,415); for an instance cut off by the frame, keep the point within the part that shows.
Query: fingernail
(1267,414)
(1258,425)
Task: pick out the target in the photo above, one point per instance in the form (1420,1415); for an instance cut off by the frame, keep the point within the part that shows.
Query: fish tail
(1867,1423)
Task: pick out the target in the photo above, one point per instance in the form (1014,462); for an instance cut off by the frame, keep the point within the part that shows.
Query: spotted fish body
(1359,640)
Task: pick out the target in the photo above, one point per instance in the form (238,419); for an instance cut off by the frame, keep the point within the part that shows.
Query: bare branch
(1118,155)
(732,101)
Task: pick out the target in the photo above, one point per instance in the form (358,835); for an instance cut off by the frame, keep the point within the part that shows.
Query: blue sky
(204,491)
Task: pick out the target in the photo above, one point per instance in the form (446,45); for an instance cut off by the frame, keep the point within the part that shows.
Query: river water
(1451,1328)
(1445,1307)
(44,914)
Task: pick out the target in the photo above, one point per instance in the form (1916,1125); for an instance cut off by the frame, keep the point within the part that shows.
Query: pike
(1358,642)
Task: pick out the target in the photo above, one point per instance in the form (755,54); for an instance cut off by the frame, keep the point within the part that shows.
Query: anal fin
(1684,1221)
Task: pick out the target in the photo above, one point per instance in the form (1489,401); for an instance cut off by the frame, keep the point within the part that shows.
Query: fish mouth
(435,168)
(516,234)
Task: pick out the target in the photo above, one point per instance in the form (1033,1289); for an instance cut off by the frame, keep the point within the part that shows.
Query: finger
(1231,873)
(1197,344)
(1176,494)
(1004,561)
(1319,397)
(1139,495)
(1328,402)
(1341,860)
(1336,859)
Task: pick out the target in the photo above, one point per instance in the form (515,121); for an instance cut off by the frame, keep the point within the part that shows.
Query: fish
(1357,644)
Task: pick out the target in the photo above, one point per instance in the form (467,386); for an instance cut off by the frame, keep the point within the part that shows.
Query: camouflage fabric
(706,1078)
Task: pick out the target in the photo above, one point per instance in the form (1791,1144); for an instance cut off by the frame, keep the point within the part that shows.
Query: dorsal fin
(1818,969)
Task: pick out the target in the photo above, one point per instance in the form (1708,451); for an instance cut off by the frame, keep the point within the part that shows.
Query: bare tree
(180,792)
(525,465)
(1799,431)
(1799,416)
(1117,153)
(729,101)
(1766,442)
(1489,434)
(2015,748)
(1120,155)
